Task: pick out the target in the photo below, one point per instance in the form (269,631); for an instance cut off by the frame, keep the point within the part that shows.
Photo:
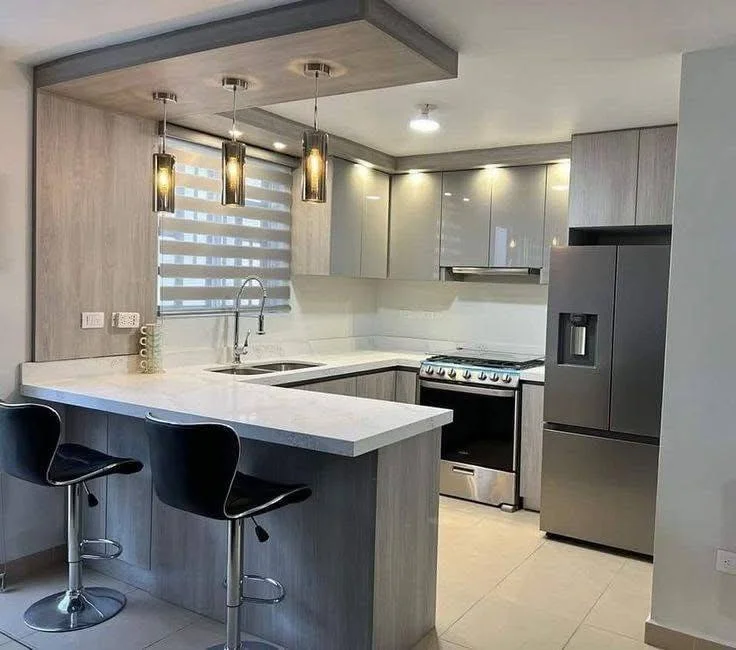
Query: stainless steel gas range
(480,449)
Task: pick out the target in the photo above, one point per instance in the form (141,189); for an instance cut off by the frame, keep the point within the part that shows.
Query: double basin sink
(265,368)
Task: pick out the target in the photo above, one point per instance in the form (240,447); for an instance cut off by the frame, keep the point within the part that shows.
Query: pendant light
(233,153)
(314,146)
(164,180)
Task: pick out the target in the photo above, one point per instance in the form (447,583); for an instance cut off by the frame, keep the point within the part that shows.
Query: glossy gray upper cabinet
(346,222)
(374,250)
(517,216)
(603,179)
(555,211)
(416,206)
(656,184)
(466,217)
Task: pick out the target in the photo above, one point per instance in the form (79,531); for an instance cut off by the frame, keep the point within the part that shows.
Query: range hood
(519,273)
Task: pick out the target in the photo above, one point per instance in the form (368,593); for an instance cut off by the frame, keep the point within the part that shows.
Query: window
(207,249)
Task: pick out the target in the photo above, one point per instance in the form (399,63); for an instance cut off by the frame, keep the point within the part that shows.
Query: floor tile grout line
(163,638)
(18,641)
(496,586)
(592,607)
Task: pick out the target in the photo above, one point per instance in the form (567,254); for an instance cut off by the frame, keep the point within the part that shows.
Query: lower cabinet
(390,386)
(342,386)
(532,426)
(406,386)
(378,385)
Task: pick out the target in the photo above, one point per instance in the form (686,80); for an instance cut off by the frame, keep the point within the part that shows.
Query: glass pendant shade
(164,182)
(233,173)
(314,166)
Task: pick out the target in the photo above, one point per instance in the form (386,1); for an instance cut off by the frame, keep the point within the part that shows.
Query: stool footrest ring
(100,556)
(280,590)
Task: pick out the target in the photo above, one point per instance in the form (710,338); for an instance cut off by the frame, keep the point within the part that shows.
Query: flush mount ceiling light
(314,146)
(164,181)
(279,146)
(424,123)
(233,153)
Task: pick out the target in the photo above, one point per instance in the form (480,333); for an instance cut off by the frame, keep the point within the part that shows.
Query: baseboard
(669,639)
(30,564)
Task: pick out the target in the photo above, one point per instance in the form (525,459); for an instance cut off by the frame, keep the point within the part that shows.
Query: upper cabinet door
(414,244)
(374,257)
(348,180)
(603,179)
(555,211)
(466,217)
(517,216)
(655,190)
(310,229)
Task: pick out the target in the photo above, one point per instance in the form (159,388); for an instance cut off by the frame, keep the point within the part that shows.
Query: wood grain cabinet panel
(311,236)
(95,239)
(406,387)
(466,218)
(377,385)
(603,179)
(517,216)
(414,243)
(656,184)
(342,386)
(532,427)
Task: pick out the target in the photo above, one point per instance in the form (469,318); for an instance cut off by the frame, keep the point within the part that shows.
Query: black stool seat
(250,496)
(76,463)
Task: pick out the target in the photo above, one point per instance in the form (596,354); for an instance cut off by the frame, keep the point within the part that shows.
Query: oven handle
(475,390)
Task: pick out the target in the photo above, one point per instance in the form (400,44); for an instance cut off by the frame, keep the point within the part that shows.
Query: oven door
(480,447)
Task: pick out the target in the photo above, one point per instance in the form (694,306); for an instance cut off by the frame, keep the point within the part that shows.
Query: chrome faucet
(238,350)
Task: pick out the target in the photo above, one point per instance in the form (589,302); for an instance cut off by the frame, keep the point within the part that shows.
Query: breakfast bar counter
(358,559)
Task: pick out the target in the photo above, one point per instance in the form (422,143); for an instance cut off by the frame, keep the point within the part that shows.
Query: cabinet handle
(463,470)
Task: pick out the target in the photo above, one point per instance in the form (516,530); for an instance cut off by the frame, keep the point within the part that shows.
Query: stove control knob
(429,370)
(482,376)
(494,376)
(507,379)
(440,371)
(452,373)
(467,374)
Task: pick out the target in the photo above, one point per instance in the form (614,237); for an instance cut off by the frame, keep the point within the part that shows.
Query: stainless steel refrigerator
(606,326)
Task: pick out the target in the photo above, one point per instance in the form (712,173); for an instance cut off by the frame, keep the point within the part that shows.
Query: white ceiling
(530,70)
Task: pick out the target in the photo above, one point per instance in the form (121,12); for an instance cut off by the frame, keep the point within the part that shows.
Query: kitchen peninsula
(358,560)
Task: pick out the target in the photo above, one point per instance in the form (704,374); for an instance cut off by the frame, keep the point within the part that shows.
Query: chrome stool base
(74,610)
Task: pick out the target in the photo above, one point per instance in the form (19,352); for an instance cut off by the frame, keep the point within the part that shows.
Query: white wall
(696,504)
(327,315)
(499,315)
(33,516)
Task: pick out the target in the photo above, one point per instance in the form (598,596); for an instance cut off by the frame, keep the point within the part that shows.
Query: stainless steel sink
(240,370)
(284,366)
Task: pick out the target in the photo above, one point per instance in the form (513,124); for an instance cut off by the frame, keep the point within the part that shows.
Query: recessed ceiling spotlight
(466,199)
(448,193)
(415,171)
(424,123)
(279,146)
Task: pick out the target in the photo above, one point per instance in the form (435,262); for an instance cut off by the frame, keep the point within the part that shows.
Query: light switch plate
(726,561)
(126,319)
(93,320)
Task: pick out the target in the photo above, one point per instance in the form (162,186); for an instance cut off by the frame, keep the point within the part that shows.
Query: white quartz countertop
(533,375)
(335,424)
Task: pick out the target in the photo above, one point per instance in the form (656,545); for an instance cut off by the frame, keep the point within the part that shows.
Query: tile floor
(502,586)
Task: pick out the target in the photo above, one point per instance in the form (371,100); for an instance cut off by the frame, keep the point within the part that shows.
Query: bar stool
(30,451)
(194,469)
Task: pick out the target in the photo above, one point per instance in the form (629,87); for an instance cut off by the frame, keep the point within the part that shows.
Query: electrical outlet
(126,319)
(726,561)
(93,320)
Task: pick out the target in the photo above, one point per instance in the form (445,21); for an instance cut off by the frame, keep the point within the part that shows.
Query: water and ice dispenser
(577,341)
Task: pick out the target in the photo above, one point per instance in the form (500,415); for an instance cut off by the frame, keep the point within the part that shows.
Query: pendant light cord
(316,95)
(233,132)
(164,141)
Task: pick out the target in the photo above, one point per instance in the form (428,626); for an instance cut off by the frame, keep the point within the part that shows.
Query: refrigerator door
(642,275)
(579,336)
(599,490)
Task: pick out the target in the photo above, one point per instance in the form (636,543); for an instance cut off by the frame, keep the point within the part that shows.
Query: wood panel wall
(95,238)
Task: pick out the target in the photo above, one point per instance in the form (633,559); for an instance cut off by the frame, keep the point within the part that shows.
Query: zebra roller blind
(206,249)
